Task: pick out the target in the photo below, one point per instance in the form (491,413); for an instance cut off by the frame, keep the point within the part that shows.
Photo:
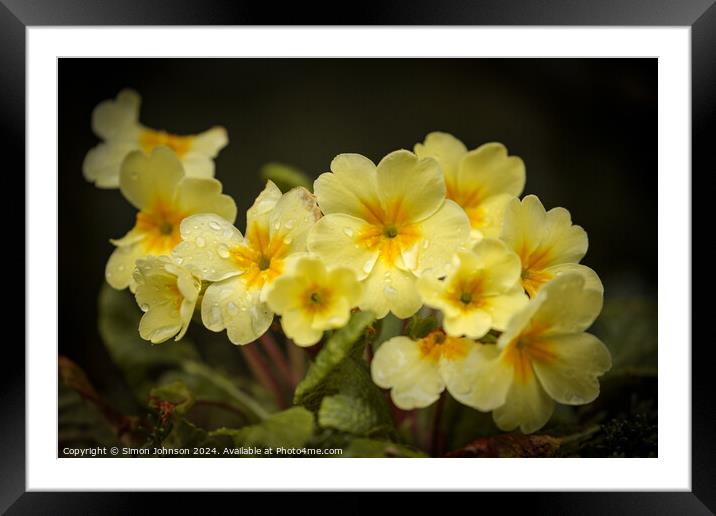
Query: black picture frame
(17,15)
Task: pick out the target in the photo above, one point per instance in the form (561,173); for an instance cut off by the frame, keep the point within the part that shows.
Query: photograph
(357,257)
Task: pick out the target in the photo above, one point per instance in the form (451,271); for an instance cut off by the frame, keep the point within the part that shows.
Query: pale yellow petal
(351,188)
(390,289)
(503,306)
(285,294)
(481,380)
(120,266)
(346,283)
(444,232)
(264,203)
(410,188)
(527,406)
(210,142)
(194,195)
(414,381)
(501,265)
(489,171)
(297,326)
(161,323)
(205,249)
(567,307)
(432,293)
(335,315)
(473,323)
(145,180)
(591,279)
(292,217)
(571,376)
(102,163)
(523,224)
(487,218)
(334,239)
(118,118)
(567,243)
(198,165)
(447,150)
(229,305)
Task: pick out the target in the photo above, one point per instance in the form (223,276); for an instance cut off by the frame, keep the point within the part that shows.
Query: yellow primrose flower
(311,299)
(167,293)
(543,356)
(155,185)
(481,292)
(546,242)
(117,123)
(417,372)
(243,268)
(482,180)
(388,224)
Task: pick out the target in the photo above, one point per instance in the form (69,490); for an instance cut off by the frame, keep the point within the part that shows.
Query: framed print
(377,251)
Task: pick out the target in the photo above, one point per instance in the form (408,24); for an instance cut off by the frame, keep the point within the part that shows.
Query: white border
(672,470)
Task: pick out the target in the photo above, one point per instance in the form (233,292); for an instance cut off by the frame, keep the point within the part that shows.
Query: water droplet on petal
(348,232)
(223,251)
(200,242)
(287,240)
(368,266)
(214,225)
(390,291)
(426,243)
(232,307)
(289,224)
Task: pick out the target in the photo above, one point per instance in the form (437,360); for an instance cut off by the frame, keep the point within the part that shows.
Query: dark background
(586,129)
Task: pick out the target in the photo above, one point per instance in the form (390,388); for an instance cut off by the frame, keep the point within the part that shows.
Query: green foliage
(348,342)
(419,327)
(338,385)
(285,176)
(291,428)
(175,393)
(140,361)
(628,327)
(372,448)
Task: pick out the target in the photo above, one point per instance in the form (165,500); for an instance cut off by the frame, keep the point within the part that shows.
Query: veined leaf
(291,428)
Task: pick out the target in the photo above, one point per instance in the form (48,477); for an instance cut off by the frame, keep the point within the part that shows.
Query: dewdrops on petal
(481,292)
(116,122)
(243,268)
(544,356)
(388,224)
(311,299)
(155,184)
(167,294)
(481,181)
(418,371)
(547,243)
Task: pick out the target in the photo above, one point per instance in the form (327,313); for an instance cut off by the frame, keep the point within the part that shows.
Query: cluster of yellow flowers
(440,227)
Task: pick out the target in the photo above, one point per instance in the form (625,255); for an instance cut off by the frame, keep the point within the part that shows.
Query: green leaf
(140,361)
(347,342)
(291,428)
(419,327)
(628,327)
(175,393)
(187,435)
(285,176)
(338,385)
(370,448)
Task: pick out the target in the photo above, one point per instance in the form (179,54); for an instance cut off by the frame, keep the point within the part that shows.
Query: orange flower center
(160,224)
(525,349)
(260,257)
(436,345)
(149,139)
(389,231)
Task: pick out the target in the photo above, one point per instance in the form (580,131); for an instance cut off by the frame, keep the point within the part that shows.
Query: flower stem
(297,359)
(436,434)
(262,373)
(276,355)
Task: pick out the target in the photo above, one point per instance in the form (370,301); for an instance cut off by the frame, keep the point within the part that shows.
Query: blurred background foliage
(586,129)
